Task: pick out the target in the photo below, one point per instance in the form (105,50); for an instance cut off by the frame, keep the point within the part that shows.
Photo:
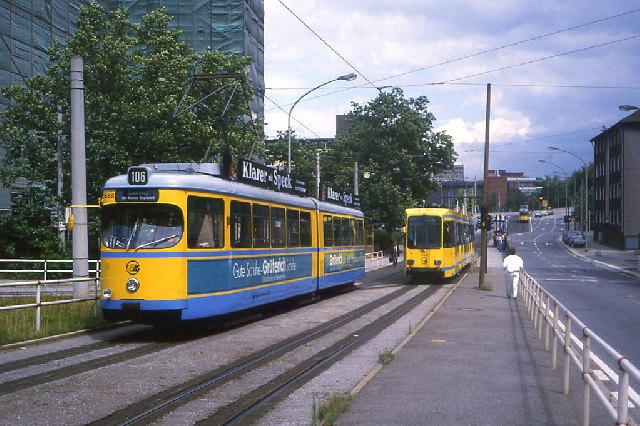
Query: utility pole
(79,181)
(485,196)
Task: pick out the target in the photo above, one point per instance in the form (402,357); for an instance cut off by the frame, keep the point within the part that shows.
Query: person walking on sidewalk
(395,252)
(512,265)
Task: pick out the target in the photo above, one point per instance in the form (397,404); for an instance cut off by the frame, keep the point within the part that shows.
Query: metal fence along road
(613,389)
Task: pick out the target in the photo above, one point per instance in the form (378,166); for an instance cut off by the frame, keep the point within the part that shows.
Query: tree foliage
(142,104)
(393,140)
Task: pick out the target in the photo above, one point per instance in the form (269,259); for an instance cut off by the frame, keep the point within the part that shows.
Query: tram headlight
(106,294)
(133,285)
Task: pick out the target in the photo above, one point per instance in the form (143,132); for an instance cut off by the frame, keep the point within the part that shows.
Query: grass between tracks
(19,325)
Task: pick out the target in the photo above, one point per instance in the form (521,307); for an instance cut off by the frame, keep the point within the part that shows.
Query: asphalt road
(606,301)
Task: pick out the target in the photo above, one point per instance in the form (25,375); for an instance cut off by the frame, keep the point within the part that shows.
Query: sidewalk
(476,362)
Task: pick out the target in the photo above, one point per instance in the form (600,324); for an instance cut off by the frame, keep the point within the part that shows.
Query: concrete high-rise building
(228,26)
(28,28)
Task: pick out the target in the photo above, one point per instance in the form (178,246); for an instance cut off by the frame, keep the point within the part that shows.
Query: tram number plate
(138,176)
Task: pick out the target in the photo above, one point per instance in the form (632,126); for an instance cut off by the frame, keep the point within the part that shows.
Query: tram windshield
(141,226)
(423,232)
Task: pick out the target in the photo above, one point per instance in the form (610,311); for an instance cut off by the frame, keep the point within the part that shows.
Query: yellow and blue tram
(523,214)
(184,242)
(438,242)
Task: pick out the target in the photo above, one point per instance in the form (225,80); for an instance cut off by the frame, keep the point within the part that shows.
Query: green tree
(148,98)
(393,140)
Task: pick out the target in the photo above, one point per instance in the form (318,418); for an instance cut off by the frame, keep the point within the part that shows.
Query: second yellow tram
(438,242)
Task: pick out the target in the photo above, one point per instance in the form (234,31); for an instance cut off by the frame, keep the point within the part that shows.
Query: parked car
(567,235)
(537,214)
(577,240)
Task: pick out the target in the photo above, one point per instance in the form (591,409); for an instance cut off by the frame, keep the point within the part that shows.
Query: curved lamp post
(586,187)
(566,177)
(346,77)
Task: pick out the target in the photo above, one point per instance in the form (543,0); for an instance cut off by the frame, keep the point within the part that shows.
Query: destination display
(136,195)
(337,196)
(257,174)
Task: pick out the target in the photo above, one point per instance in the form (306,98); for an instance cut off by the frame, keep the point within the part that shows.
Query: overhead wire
(327,44)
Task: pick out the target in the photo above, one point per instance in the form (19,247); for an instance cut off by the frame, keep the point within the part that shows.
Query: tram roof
(208,180)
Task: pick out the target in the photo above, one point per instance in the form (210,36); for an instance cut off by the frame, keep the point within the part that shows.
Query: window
(337,232)
(305,229)
(346,232)
(448,234)
(205,222)
(240,224)
(261,226)
(359,233)
(328,231)
(278,233)
(423,232)
(293,228)
(141,226)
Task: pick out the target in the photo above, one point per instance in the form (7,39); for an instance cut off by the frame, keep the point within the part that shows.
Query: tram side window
(337,231)
(359,233)
(205,222)
(305,229)
(261,226)
(328,231)
(278,233)
(448,234)
(240,224)
(293,228)
(347,231)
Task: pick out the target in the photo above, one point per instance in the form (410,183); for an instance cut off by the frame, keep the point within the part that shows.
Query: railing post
(567,354)
(556,333)
(586,371)
(38,307)
(45,269)
(541,317)
(623,395)
(547,324)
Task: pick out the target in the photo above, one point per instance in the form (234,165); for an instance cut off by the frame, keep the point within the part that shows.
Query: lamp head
(347,77)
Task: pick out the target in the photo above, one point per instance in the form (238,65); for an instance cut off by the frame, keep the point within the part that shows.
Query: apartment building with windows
(616,206)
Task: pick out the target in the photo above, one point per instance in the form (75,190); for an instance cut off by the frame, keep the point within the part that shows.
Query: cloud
(414,44)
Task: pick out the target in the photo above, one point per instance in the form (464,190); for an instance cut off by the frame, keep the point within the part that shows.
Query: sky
(558,71)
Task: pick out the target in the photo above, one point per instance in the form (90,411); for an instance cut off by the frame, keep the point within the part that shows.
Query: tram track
(254,402)
(336,326)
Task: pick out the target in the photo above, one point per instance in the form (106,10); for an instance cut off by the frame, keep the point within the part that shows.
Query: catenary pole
(485,195)
(80,248)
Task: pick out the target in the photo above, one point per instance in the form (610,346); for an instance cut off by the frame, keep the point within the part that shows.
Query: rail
(40,286)
(44,267)
(545,311)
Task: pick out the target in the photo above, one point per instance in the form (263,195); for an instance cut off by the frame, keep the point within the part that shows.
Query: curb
(600,263)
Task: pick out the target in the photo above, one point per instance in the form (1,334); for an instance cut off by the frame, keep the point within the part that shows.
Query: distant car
(550,212)
(537,214)
(577,240)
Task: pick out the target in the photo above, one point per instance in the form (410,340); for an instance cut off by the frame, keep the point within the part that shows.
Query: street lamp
(627,107)
(346,77)
(586,186)
(566,176)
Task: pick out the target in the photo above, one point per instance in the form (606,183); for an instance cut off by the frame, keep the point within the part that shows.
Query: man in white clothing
(512,265)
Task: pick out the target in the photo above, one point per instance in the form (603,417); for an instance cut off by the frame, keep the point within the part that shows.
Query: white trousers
(511,281)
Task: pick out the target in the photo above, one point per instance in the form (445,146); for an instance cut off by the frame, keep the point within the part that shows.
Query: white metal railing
(545,310)
(45,266)
(40,286)
(373,260)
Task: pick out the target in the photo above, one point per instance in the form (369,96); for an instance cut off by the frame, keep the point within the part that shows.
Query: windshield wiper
(158,241)
(133,232)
